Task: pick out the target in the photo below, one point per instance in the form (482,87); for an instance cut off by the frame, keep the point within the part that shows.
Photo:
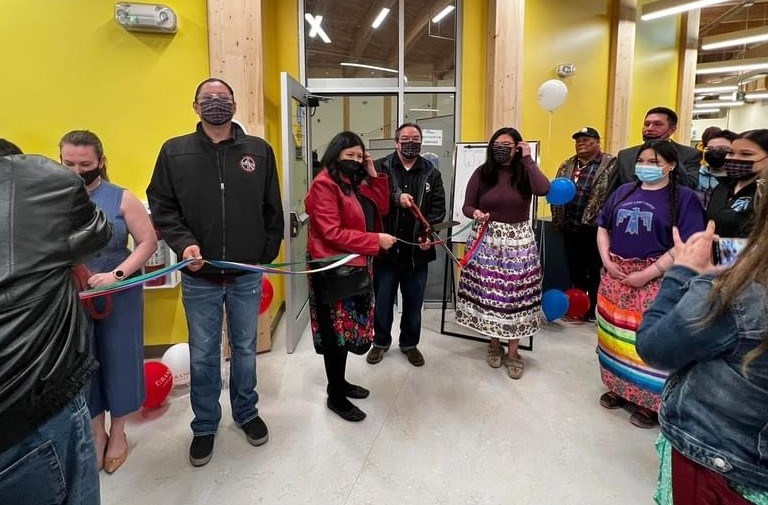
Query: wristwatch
(118,274)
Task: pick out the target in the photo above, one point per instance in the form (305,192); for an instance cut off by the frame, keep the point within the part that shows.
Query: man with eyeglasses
(214,194)
(414,181)
(660,123)
(589,170)
(717,144)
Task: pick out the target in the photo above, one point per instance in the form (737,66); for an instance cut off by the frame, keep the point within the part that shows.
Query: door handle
(297,221)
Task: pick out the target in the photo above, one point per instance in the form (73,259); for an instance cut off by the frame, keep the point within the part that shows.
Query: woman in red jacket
(345,204)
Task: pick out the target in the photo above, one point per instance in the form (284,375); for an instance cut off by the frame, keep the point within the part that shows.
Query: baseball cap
(586,132)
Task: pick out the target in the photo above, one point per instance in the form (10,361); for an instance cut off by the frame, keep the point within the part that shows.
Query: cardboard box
(263,339)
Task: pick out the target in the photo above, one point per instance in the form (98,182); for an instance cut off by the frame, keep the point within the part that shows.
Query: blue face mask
(649,173)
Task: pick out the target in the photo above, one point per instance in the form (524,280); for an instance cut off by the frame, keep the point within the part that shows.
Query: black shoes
(351,414)
(352,391)
(256,431)
(414,356)
(201,450)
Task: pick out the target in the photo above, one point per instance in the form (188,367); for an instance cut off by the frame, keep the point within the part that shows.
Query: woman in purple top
(634,238)
(500,288)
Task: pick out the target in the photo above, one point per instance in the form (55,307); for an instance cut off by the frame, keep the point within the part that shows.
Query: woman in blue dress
(117,386)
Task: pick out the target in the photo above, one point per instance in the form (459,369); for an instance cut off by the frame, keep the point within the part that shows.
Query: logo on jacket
(634,215)
(427,188)
(248,164)
(741,204)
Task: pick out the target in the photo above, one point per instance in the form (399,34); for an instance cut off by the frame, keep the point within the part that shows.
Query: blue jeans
(56,464)
(413,282)
(204,302)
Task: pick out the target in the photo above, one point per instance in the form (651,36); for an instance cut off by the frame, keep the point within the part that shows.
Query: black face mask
(501,154)
(739,170)
(90,175)
(217,112)
(715,158)
(410,150)
(353,170)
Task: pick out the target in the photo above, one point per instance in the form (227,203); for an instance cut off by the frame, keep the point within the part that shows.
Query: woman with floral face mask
(499,292)
(732,204)
(634,238)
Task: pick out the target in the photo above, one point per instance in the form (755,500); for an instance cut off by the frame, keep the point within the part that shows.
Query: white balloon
(177,359)
(552,94)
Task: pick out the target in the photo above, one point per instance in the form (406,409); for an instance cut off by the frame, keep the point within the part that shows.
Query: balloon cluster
(556,304)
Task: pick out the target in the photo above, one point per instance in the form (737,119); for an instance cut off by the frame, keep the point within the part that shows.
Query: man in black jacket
(414,181)
(49,224)
(214,194)
(660,124)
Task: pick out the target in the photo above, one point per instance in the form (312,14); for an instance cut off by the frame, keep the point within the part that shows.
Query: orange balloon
(267,294)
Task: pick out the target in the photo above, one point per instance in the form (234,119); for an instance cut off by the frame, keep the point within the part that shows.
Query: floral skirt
(499,291)
(351,321)
(619,313)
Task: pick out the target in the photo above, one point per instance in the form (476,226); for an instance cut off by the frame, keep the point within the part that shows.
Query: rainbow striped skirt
(619,313)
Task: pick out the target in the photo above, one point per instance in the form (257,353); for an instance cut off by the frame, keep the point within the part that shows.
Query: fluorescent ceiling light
(718,103)
(714,89)
(315,29)
(711,110)
(663,8)
(440,15)
(762,95)
(424,109)
(380,18)
(370,67)
(738,38)
(722,67)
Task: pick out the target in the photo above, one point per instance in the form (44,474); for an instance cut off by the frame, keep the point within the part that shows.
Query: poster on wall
(467,156)
(432,137)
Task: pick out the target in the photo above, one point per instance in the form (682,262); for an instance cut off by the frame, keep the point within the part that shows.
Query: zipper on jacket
(220,157)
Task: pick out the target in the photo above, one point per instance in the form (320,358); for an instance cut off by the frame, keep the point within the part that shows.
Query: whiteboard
(467,156)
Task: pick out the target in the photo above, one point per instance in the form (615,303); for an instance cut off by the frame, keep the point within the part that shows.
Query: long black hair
(341,141)
(489,171)
(666,150)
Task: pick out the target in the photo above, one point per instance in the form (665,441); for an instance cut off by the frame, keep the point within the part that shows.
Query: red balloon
(158,382)
(578,303)
(267,293)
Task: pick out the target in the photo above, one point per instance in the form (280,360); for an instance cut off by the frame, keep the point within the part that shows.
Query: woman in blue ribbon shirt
(118,339)
(345,203)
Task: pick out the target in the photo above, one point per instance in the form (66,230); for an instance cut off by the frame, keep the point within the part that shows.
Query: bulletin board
(467,156)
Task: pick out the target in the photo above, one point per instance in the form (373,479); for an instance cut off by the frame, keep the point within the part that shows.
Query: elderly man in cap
(589,170)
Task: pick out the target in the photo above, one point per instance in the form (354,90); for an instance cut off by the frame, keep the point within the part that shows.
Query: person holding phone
(732,204)
(707,327)
(635,243)
(499,293)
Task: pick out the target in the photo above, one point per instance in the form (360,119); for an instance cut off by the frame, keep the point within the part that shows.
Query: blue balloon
(554,303)
(561,191)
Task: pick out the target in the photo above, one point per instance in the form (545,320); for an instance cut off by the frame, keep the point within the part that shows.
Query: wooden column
(686,80)
(623,22)
(235,45)
(505,64)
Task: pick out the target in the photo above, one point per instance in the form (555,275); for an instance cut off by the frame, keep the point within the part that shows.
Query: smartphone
(726,250)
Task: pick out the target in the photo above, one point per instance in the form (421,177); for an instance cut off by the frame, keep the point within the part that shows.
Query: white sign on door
(432,138)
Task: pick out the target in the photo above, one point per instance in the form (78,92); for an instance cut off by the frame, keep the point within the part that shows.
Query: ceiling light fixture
(380,18)
(718,103)
(315,29)
(750,36)
(714,89)
(761,95)
(370,67)
(440,15)
(424,109)
(723,67)
(663,8)
(711,110)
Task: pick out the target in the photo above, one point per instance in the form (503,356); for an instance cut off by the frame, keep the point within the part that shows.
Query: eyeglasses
(215,96)
(410,139)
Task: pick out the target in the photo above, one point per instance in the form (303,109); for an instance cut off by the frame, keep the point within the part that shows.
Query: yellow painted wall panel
(474,55)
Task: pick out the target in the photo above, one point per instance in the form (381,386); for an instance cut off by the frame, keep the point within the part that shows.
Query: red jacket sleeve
(377,190)
(326,207)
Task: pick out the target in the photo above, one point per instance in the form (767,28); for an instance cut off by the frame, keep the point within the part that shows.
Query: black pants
(334,355)
(584,262)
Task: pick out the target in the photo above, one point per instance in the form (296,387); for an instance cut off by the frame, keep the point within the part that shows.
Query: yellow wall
(69,65)
(655,69)
(474,55)
(556,32)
